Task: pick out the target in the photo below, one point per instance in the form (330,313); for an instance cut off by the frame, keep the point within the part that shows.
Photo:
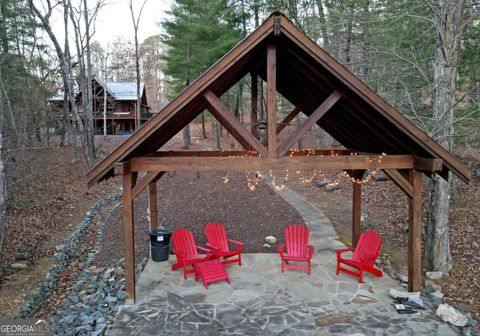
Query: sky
(114,20)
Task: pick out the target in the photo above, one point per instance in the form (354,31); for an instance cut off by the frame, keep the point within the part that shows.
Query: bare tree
(450,23)
(3,184)
(136,22)
(64,59)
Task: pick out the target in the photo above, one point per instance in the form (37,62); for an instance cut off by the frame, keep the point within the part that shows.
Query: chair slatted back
(296,240)
(184,243)
(368,246)
(217,236)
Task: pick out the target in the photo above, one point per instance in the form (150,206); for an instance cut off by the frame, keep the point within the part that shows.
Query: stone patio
(263,301)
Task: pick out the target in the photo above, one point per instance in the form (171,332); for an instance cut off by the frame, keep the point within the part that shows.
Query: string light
(253,178)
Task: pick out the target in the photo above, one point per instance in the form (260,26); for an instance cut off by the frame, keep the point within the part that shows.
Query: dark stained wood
(152,205)
(356,212)
(415,232)
(254,104)
(128,222)
(429,165)
(292,42)
(232,124)
(309,122)
(400,181)
(144,182)
(375,101)
(277,26)
(265,163)
(224,65)
(272,100)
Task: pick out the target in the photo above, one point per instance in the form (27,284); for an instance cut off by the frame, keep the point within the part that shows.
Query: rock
(121,295)
(434,275)
(60,247)
(411,296)
(270,240)
(332,186)
(437,297)
(266,245)
(402,278)
(433,285)
(451,315)
(330,319)
(380,177)
(19,265)
(320,183)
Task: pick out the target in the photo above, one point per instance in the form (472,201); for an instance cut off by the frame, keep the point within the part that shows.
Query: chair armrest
(204,249)
(235,242)
(310,251)
(339,252)
(213,247)
(280,249)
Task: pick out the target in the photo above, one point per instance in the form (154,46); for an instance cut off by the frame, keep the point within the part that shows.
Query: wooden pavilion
(318,86)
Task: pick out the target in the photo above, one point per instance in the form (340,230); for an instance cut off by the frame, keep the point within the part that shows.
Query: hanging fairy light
(253,178)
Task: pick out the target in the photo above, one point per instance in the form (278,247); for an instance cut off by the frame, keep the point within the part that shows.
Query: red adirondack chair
(218,242)
(296,242)
(364,255)
(186,251)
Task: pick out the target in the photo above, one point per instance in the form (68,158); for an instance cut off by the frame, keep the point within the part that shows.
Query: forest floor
(48,198)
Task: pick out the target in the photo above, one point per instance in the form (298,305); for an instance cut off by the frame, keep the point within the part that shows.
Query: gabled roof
(124,90)
(306,76)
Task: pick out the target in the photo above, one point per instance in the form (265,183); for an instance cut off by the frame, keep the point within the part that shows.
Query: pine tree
(197,35)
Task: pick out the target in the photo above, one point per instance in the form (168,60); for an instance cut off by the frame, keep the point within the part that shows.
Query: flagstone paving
(263,301)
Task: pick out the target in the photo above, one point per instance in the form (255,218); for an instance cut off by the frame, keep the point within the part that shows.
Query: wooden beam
(309,122)
(140,186)
(254,104)
(128,227)
(264,163)
(415,232)
(232,124)
(400,181)
(272,100)
(430,165)
(277,26)
(356,212)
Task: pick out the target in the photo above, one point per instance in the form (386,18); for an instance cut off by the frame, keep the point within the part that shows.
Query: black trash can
(160,244)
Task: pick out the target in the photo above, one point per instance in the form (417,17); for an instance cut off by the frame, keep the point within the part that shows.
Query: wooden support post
(415,232)
(128,226)
(254,106)
(356,212)
(272,99)
(152,201)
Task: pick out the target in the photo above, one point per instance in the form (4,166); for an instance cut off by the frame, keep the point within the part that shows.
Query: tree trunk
(450,17)
(217,135)
(204,131)
(3,184)
(90,128)
(323,25)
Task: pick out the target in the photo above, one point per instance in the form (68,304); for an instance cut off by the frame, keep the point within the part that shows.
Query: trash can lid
(160,232)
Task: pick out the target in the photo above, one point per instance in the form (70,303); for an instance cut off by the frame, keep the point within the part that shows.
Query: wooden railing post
(415,232)
(129,179)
